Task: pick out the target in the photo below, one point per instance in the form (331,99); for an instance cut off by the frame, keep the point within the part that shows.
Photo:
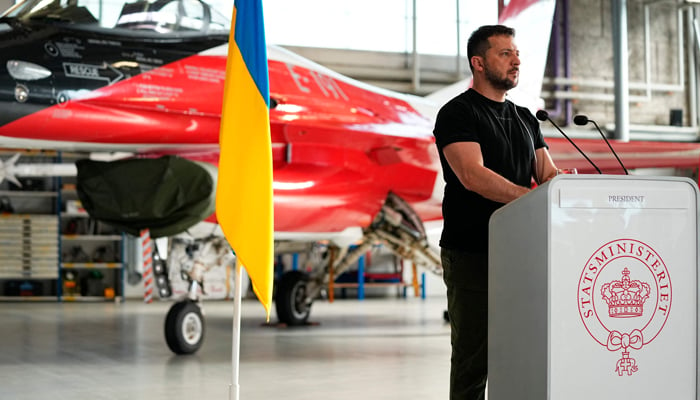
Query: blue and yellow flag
(244,189)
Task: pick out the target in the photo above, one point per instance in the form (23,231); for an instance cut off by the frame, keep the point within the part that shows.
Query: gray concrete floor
(372,349)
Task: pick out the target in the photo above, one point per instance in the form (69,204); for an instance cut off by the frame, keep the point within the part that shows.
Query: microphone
(583,120)
(543,115)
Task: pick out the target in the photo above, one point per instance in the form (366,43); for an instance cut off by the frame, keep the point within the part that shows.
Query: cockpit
(163,17)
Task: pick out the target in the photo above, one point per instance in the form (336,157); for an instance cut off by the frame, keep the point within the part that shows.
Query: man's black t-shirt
(508,136)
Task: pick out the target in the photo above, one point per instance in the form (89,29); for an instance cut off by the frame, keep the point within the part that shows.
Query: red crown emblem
(625,298)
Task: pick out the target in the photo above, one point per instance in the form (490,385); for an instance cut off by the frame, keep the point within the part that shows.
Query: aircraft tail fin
(532,21)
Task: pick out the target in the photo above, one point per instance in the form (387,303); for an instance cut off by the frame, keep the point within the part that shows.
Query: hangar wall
(592,66)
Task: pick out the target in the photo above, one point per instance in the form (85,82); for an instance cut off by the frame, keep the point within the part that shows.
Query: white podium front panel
(623,273)
(618,256)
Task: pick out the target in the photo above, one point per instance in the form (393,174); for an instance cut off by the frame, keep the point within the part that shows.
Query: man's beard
(497,82)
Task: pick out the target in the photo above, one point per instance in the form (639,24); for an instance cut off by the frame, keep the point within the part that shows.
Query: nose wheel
(184,327)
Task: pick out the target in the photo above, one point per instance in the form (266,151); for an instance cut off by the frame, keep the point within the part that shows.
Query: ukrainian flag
(244,189)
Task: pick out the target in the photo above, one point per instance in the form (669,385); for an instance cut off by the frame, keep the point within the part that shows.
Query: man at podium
(490,150)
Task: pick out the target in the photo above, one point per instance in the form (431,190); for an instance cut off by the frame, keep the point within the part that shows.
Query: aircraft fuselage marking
(299,79)
(70,50)
(88,71)
(328,86)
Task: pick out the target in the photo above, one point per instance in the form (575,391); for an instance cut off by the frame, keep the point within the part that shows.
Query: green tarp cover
(166,195)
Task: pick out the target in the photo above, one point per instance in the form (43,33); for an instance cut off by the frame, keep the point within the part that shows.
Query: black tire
(290,299)
(184,328)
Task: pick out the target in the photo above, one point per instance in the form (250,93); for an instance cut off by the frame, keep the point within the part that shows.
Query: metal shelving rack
(29,240)
(38,232)
(101,251)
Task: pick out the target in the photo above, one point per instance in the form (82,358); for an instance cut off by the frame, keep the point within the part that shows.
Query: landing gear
(291,298)
(184,327)
(184,324)
(396,225)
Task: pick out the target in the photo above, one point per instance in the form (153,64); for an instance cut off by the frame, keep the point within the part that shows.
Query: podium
(593,291)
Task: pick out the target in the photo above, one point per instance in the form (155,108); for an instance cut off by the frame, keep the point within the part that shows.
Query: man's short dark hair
(479,40)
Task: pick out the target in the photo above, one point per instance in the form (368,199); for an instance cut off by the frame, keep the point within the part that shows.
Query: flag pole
(244,206)
(234,387)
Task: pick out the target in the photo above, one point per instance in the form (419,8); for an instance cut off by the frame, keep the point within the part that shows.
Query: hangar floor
(371,349)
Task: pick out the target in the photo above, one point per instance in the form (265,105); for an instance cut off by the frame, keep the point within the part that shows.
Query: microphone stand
(583,120)
(543,115)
